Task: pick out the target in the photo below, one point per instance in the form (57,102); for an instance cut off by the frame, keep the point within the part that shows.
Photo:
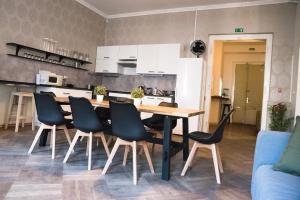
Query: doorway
(211,81)
(248,94)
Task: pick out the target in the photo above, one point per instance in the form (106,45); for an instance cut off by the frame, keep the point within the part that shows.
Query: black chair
(209,141)
(65,113)
(88,125)
(225,109)
(48,112)
(156,122)
(130,131)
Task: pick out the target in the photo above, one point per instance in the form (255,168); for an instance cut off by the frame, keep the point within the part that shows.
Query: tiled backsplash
(127,82)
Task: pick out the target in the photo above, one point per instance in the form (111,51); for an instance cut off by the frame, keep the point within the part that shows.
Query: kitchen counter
(125,92)
(35,85)
(220,97)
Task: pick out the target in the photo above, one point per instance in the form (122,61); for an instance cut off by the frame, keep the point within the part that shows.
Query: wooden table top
(162,110)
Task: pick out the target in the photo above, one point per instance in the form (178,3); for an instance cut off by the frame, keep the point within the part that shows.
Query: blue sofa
(268,184)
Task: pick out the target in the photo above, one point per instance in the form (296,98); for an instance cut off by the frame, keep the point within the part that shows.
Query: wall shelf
(47,55)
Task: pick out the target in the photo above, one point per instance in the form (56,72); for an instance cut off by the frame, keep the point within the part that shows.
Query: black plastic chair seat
(66,113)
(156,121)
(127,123)
(157,124)
(84,116)
(202,137)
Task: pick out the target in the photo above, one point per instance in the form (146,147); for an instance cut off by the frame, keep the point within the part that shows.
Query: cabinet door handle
(66,93)
(161,72)
(105,70)
(151,71)
(160,99)
(150,97)
(105,57)
(132,57)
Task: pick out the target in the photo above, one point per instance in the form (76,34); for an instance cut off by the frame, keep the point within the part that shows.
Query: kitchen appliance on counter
(48,78)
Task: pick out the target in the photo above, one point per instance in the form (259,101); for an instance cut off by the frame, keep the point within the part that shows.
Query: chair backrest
(84,116)
(48,110)
(126,122)
(49,93)
(218,133)
(160,118)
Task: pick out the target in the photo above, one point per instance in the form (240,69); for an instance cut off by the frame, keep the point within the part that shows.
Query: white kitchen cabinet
(167,58)
(116,94)
(128,52)
(107,58)
(158,58)
(107,52)
(107,66)
(147,59)
(154,101)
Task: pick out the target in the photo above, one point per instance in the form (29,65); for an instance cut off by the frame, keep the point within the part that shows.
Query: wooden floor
(38,177)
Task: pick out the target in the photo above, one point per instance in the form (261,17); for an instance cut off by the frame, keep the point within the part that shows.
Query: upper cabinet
(107,52)
(150,58)
(128,52)
(107,58)
(157,58)
(147,59)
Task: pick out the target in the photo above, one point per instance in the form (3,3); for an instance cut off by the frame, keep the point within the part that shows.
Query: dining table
(170,147)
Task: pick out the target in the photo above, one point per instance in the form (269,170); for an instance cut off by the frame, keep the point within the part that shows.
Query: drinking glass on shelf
(75,54)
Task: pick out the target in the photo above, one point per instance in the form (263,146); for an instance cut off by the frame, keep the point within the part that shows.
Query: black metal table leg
(43,138)
(166,149)
(185,138)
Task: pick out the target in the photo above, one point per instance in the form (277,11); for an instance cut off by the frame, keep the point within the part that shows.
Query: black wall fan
(198,47)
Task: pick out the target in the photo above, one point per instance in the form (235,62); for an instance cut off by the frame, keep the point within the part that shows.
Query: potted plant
(137,94)
(279,120)
(100,91)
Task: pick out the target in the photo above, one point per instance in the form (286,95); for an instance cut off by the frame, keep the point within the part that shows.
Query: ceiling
(122,8)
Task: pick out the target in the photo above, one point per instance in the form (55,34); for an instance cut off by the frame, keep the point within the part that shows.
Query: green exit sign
(239,30)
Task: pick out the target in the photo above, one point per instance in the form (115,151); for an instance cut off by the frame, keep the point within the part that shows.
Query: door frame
(267,72)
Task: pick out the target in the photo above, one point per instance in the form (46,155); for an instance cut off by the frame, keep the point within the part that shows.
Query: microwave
(48,78)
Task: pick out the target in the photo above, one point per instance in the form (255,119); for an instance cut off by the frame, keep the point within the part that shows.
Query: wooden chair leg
(146,150)
(134,162)
(32,113)
(104,144)
(109,140)
(90,141)
(125,154)
(67,134)
(215,160)
(9,110)
(219,159)
(72,146)
(191,163)
(19,109)
(87,147)
(111,156)
(190,158)
(53,141)
(37,136)
(24,113)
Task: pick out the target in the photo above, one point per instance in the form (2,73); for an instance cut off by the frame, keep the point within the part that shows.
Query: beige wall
(217,69)
(74,26)
(278,19)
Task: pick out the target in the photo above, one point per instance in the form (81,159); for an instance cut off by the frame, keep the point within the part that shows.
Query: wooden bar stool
(20,116)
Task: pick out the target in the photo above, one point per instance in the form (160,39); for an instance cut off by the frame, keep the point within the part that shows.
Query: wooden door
(248,93)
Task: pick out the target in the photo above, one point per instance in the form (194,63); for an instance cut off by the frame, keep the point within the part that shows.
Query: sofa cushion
(276,185)
(290,160)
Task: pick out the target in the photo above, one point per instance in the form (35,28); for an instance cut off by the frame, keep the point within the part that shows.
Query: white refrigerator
(189,88)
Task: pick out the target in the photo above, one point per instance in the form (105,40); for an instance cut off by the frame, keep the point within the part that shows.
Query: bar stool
(20,116)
